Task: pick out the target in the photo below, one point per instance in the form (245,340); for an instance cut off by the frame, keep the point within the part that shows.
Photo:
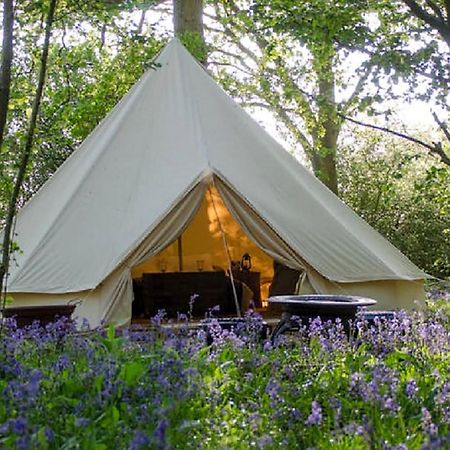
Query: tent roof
(175,127)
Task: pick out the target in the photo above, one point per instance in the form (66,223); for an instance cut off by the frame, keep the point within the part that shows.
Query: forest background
(332,80)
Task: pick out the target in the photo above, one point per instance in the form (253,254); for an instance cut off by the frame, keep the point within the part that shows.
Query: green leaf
(131,372)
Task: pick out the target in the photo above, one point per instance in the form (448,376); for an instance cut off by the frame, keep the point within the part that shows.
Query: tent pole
(227,252)
(180,253)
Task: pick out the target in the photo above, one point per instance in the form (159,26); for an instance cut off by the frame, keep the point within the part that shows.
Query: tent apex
(207,175)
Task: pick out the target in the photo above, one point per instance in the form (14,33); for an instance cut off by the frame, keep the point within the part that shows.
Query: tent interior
(198,263)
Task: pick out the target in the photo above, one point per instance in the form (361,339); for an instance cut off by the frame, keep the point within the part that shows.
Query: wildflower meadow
(384,386)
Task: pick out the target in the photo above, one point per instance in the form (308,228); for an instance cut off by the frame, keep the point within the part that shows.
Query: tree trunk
(7,56)
(188,26)
(188,16)
(25,156)
(328,128)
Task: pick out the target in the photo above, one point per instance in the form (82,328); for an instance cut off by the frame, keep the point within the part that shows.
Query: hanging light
(246,262)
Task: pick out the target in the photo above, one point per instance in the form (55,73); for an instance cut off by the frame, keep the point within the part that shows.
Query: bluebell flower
(22,443)
(82,422)
(411,389)
(160,433)
(273,388)
(49,434)
(315,418)
(140,439)
(19,425)
(264,441)
(427,424)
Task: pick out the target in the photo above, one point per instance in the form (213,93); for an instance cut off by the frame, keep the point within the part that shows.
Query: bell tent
(174,155)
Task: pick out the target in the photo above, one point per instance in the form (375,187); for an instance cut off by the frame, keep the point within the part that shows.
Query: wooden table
(172,292)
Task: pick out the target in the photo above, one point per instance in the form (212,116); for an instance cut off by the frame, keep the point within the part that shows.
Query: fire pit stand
(307,307)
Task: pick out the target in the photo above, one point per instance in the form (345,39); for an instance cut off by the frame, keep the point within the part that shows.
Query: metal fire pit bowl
(307,307)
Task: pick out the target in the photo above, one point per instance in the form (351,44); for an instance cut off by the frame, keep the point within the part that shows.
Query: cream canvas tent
(139,179)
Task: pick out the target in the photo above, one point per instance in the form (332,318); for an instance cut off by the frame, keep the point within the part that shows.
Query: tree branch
(435,148)
(256,105)
(442,126)
(358,88)
(226,64)
(293,128)
(435,22)
(435,9)
(237,57)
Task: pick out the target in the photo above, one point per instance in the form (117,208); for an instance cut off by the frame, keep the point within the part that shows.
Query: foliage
(313,63)
(97,53)
(428,18)
(385,387)
(195,43)
(422,60)
(401,193)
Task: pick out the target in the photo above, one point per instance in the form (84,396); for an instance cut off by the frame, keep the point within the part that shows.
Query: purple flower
(427,424)
(295,414)
(315,418)
(62,363)
(211,311)
(264,441)
(81,422)
(159,317)
(444,395)
(23,443)
(181,317)
(336,404)
(191,303)
(272,388)
(49,434)
(140,440)
(160,433)
(19,425)
(389,404)
(411,389)
(254,421)
(354,428)
(437,443)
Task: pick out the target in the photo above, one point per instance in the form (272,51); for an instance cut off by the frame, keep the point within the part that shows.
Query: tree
(427,69)
(5,70)
(188,17)
(402,193)
(435,13)
(188,26)
(98,51)
(27,147)
(46,128)
(310,63)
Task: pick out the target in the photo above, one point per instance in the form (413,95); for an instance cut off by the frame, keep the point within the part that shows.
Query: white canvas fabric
(174,131)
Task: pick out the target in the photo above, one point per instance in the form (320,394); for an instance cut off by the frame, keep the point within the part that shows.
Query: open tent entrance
(197,266)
